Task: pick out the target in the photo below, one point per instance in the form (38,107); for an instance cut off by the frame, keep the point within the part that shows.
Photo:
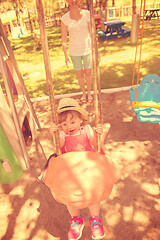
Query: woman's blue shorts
(82,61)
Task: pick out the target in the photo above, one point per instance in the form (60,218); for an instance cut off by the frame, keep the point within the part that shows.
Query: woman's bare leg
(88,77)
(80,77)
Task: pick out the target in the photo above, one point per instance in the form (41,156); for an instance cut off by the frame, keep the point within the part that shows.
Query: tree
(5,5)
(17,5)
(87,3)
(134,6)
(50,6)
(103,12)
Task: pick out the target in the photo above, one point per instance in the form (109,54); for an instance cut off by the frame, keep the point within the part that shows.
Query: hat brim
(82,111)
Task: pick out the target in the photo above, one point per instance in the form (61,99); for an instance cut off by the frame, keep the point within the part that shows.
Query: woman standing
(76,22)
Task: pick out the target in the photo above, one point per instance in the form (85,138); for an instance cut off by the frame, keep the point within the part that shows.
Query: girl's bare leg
(96,222)
(73,211)
(94,209)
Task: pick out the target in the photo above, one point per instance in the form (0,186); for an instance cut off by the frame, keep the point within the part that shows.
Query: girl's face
(72,124)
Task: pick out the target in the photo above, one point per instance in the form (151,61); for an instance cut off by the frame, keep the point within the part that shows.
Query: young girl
(76,135)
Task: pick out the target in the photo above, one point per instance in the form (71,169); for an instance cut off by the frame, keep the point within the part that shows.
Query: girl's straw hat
(66,104)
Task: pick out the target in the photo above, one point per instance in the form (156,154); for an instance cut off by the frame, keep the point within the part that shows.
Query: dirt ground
(28,210)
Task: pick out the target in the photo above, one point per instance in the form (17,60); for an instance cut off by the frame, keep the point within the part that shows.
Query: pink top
(79,37)
(78,142)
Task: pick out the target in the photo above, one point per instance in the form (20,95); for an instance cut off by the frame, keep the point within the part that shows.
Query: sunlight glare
(127,119)
(113,219)
(152,189)
(127,213)
(141,217)
(157,206)
(5,211)
(26,220)
(19,190)
(43,234)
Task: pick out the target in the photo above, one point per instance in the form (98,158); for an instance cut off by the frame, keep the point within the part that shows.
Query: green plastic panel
(6,152)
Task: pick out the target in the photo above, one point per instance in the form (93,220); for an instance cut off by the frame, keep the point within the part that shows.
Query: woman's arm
(64,42)
(89,28)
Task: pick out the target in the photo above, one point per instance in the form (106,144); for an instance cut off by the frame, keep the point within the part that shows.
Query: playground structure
(138,192)
(61,169)
(16,116)
(144,97)
(28,25)
(147,104)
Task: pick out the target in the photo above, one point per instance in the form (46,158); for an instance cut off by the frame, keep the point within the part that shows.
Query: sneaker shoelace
(95,223)
(74,223)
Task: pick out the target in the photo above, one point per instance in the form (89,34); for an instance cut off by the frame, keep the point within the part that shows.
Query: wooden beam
(45,49)
(96,74)
(13,60)
(14,113)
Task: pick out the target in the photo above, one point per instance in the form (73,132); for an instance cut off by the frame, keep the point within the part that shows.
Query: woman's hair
(63,116)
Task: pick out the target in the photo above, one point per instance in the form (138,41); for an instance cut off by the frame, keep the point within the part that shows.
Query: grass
(116,66)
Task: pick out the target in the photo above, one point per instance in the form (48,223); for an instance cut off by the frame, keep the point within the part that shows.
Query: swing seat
(147,105)
(81,179)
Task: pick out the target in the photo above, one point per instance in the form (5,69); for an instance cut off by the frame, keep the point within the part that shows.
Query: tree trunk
(103,13)
(87,3)
(106,6)
(30,23)
(134,7)
(17,16)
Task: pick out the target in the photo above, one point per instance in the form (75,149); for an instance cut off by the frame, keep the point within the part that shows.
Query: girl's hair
(63,116)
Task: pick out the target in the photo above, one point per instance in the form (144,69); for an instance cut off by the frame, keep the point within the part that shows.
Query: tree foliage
(16,4)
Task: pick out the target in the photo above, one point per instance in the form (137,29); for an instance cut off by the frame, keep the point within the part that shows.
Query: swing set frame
(96,74)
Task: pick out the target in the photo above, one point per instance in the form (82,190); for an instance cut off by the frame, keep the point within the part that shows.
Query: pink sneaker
(75,231)
(96,227)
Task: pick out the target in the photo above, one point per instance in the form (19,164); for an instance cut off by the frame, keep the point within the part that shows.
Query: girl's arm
(64,42)
(102,130)
(91,135)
